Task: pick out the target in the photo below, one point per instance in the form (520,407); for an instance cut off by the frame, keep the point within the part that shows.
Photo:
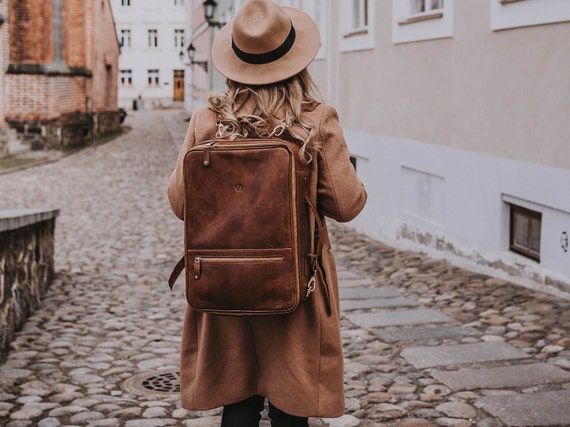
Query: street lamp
(191,51)
(209,8)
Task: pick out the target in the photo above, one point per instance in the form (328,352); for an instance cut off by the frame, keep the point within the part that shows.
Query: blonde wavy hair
(270,110)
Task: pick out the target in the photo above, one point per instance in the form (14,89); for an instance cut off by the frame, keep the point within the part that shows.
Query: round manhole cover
(158,383)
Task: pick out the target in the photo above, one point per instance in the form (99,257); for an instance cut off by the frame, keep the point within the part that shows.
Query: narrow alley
(426,343)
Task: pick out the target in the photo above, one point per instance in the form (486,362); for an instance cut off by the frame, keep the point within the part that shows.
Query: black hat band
(267,57)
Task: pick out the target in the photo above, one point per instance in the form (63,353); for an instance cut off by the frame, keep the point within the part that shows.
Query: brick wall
(31,31)
(41,90)
(106,58)
(75,33)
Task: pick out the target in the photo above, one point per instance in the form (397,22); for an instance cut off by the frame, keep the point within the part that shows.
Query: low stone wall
(69,129)
(26,267)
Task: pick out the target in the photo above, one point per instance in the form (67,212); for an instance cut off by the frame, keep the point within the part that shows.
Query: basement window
(525,231)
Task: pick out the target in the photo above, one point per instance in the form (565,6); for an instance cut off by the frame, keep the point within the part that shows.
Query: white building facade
(456,115)
(152,34)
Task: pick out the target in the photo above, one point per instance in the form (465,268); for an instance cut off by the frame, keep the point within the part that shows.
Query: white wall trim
(528,12)
(422,30)
(356,39)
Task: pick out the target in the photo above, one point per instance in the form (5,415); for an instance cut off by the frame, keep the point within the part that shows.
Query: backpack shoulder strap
(178,268)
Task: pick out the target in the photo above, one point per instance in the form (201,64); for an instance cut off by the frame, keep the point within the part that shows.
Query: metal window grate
(525,232)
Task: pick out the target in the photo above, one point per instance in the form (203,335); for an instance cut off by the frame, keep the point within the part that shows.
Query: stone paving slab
(417,333)
(344,274)
(400,317)
(363,293)
(444,355)
(538,409)
(502,377)
(356,282)
(348,305)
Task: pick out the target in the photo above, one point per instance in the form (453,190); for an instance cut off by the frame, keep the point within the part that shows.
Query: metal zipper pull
(197,267)
(207,147)
(311,286)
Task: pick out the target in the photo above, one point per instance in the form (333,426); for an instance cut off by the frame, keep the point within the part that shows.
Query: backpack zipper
(211,145)
(198,261)
(207,148)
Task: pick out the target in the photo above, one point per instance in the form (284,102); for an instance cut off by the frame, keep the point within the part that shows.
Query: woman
(293,360)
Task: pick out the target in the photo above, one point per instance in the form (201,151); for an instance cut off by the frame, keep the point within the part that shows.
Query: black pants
(247,414)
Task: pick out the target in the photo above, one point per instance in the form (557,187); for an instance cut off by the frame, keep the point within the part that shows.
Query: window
(125,40)
(417,20)
(178,38)
(525,227)
(152,38)
(359,15)
(178,2)
(357,21)
(423,6)
(515,14)
(126,77)
(125,2)
(153,78)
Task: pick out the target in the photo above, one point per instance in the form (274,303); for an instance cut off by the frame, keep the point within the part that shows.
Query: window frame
(410,26)
(509,14)
(152,35)
(128,33)
(153,74)
(527,251)
(126,74)
(126,3)
(360,36)
(179,35)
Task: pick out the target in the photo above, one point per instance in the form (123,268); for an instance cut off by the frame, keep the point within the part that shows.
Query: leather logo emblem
(238,187)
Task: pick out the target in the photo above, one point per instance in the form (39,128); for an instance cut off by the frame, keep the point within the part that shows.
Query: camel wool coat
(296,359)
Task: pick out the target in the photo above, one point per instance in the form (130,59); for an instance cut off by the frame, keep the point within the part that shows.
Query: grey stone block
(400,317)
(444,355)
(502,377)
(347,305)
(364,293)
(525,410)
(438,332)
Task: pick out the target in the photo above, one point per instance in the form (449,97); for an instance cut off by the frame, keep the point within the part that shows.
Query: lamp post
(191,52)
(209,8)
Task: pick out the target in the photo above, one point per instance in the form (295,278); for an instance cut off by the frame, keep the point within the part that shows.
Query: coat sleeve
(175,189)
(340,193)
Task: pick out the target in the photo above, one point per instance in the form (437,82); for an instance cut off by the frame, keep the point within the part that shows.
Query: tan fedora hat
(265,43)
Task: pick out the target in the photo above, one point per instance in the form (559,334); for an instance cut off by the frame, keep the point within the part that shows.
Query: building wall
(467,91)
(450,129)
(58,85)
(104,64)
(165,16)
(31,21)
(76,33)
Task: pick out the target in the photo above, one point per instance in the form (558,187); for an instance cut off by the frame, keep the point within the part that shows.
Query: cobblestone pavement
(426,343)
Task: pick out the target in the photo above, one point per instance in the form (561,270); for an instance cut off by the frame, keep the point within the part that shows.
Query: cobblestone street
(426,343)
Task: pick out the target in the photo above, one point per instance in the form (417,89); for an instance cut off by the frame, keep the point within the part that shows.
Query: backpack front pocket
(247,282)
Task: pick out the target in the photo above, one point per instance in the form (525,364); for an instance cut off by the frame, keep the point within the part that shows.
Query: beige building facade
(456,116)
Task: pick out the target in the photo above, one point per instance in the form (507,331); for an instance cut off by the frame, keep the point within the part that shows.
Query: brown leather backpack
(249,249)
